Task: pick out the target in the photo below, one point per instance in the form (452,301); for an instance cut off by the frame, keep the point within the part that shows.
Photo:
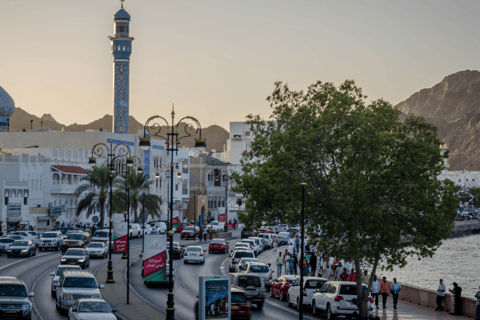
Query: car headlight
(24,251)
(81,260)
(63,260)
(96,296)
(25,306)
(67,296)
(9,250)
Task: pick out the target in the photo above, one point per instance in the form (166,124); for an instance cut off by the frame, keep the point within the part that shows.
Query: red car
(187,233)
(218,245)
(266,230)
(76,239)
(279,287)
(240,306)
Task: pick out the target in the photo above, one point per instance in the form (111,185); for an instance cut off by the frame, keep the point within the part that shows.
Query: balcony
(62,188)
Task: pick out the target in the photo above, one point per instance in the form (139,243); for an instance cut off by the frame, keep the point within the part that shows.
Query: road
(35,272)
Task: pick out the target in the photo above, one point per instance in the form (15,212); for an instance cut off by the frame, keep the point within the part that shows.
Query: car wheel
(289,303)
(281,296)
(330,315)
(260,305)
(57,304)
(34,252)
(40,249)
(271,294)
(298,304)
(138,236)
(184,261)
(53,294)
(315,311)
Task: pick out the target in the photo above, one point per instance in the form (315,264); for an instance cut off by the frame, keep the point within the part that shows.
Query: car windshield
(194,249)
(249,282)
(188,229)
(214,223)
(74,252)
(75,236)
(99,307)
(260,269)
(20,243)
(16,237)
(49,235)
(241,245)
(12,290)
(242,254)
(244,260)
(217,241)
(33,233)
(350,289)
(312,284)
(238,297)
(101,234)
(7,240)
(95,245)
(60,270)
(72,282)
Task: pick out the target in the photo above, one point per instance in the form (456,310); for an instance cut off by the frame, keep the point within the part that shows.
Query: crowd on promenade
(336,269)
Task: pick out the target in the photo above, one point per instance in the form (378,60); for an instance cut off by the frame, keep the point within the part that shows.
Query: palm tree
(95,193)
(138,183)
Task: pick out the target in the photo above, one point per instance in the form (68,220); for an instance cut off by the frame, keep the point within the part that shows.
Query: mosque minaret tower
(121,50)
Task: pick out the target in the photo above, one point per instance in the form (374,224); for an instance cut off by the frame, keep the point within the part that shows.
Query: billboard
(120,237)
(221,217)
(155,258)
(215,298)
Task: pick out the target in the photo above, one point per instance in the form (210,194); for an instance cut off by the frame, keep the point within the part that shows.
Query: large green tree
(372,186)
(94,194)
(138,183)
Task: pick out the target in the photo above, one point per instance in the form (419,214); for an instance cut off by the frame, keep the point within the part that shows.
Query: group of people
(457,298)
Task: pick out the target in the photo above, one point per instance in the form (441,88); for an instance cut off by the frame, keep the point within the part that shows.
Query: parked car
(241,263)
(22,248)
(145,230)
(30,235)
(336,298)
(253,286)
(253,245)
(268,237)
(51,240)
(280,286)
(236,255)
(76,239)
(5,243)
(75,285)
(188,232)
(259,243)
(97,249)
(177,250)
(135,230)
(293,230)
(76,256)
(91,309)
(266,229)
(194,254)
(243,245)
(14,299)
(218,245)
(216,226)
(101,235)
(283,238)
(262,270)
(246,233)
(57,273)
(310,285)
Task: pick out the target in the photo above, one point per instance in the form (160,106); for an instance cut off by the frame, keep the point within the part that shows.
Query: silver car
(74,285)
(14,300)
(91,309)
(57,273)
(51,240)
(262,270)
(97,249)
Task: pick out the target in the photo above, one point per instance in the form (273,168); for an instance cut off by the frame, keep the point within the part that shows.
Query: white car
(253,244)
(310,285)
(134,231)
(216,226)
(101,235)
(25,235)
(97,249)
(161,227)
(51,240)
(283,238)
(58,272)
(262,270)
(5,243)
(146,230)
(268,238)
(259,242)
(194,254)
(91,309)
(237,255)
(241,263)
(243,245)
(335,298)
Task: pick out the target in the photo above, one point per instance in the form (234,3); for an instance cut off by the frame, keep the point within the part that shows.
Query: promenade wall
(463,228)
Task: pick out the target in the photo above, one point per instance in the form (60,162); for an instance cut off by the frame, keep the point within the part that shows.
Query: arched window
(118,48)
(123,48)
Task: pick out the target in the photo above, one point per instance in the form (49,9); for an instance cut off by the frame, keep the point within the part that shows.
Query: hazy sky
(218,60)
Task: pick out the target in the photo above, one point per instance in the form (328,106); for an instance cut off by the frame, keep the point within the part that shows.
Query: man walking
(205,233)
(384,290)
(365,277)
(327,272)
(285,255)
(279,264)
(375,290)
(344,275)
(440,295)
(338,272)
(313,264)
(275,243)
(211,232)
(477,306)
(396,288)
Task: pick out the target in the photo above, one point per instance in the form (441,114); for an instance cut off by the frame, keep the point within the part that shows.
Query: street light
(172,139)
(110,153)
(226,192)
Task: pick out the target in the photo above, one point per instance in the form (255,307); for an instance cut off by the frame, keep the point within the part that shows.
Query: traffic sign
(95,219)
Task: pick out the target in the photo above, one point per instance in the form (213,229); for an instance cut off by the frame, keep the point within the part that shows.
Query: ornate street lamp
(172,137)
(110,153)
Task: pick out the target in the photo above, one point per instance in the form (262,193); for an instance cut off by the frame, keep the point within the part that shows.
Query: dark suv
(76,240)
(14,302)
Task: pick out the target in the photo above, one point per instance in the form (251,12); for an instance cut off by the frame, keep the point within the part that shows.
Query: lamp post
(143,218)
(302,254)
(172,138)
(226,192)
(111,153)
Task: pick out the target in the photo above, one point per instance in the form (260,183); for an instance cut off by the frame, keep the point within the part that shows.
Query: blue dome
(7,106)
(121,15)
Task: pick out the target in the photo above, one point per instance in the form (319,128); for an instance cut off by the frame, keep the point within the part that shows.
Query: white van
(216,226)
(268,239)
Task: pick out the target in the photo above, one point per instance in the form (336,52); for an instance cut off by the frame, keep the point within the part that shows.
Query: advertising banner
(214,298)
(155,258)
(120,237)
(175,222)
(221,217)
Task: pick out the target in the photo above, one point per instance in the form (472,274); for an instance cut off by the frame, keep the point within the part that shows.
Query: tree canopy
(372,186)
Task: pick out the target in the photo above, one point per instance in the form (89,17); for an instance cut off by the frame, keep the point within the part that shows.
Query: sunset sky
(218,60)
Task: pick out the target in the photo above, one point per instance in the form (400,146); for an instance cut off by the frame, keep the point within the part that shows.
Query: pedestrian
(284,262)
(211,232)
(384,290)
(291,264)
(375,290)
(328,272)
(477,306)
(365,277)
(344,275)
(275,243)
(313,264)
(297,242)
(441,296)
(457,293)
(279,264)
(305,267)
(295,263)
(395,288)
(352,277)
(338,272)
(205,233)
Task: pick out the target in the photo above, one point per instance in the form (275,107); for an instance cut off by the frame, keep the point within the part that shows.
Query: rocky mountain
(216,135)
(453,105)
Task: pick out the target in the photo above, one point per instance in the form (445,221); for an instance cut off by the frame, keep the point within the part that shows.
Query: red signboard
(120,245)
(154,264)
(175,222)
(221,217)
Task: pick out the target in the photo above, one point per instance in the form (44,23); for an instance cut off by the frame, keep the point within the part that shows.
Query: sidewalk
(116,294)
(405,310)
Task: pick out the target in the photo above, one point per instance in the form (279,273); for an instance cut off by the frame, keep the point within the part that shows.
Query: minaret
(121,50)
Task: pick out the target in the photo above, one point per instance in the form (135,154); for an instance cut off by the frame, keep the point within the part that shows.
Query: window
(219,203)
(467,179)
(123,48)
(223,203)
(217,174)
(176,187)
(247,133)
